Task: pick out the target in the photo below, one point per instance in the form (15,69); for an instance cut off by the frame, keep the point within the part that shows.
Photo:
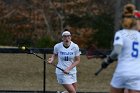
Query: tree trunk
(117,15)
(137,3)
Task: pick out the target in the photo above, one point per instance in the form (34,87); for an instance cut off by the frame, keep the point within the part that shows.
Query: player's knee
(71,91)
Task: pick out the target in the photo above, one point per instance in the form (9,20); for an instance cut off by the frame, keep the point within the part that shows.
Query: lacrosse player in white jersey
(68,58)
(127,50)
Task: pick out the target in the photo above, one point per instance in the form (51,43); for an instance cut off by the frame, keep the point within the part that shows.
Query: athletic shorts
(129,82)
(66,78)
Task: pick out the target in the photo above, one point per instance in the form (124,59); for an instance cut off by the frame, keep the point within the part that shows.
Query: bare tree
(59,14)
(118,12)
(137,3)
(117,15)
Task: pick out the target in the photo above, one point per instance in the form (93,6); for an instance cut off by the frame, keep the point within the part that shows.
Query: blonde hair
(128,18)
(128,22)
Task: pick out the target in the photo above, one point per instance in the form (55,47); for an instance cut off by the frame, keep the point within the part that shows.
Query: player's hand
(106,62)
(66,71)
(50,60)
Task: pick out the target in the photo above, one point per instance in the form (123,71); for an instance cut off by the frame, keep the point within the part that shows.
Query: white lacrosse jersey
(66,56)
(129,58)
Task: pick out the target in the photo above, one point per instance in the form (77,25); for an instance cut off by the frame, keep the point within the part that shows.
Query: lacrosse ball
(23,48)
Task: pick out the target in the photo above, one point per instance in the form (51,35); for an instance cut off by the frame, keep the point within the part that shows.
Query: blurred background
(39,24)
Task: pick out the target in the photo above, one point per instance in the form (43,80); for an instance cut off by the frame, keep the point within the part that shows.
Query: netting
(22,72)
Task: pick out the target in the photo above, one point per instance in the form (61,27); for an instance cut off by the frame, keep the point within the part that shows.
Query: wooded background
(39,23)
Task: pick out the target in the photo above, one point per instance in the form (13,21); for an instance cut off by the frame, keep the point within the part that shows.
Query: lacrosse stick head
(94,52)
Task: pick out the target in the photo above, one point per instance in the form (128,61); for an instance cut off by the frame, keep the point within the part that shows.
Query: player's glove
(106,62)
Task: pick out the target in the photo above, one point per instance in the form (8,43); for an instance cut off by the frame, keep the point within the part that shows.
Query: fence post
(44,74)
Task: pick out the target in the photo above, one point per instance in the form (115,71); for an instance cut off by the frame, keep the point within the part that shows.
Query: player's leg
(133,91)
(126,90)
(117,84)
(68,81)
(133,83)
(70,88)
(116,90)
(75,85)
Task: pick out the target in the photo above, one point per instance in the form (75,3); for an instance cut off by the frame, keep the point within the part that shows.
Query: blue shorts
(66,78)
(130,82)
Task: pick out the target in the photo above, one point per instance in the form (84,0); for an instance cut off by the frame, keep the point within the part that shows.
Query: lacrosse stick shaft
(57,67)
(38,56)
(45,61)
(31,52)
(98,71)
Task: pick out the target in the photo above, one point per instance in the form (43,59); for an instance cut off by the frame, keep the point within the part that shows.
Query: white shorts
(129,82)
(66,78)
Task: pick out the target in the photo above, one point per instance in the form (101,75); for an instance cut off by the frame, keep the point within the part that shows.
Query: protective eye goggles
(66,36)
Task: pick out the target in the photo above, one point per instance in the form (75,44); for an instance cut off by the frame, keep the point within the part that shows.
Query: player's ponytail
(128,18)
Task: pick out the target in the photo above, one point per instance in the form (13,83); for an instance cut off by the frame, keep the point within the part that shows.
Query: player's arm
(114,55)
(52,58)
(75,63)
(116,51)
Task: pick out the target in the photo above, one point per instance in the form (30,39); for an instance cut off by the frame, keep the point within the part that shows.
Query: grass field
(25,72)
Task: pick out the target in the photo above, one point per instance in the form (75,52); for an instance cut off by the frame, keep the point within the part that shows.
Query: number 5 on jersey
(135,51)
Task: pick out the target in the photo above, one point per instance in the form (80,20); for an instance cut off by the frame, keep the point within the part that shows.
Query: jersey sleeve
(77,51)
(55,51)
(118,40)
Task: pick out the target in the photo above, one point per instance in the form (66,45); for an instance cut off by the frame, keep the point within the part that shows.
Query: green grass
(25,72)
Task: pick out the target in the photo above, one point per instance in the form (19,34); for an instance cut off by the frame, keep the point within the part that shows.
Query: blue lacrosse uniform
(66,58)
(127,72)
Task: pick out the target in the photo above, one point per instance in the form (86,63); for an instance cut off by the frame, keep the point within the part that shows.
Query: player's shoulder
(120,31)
(74,44)
(58,44)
